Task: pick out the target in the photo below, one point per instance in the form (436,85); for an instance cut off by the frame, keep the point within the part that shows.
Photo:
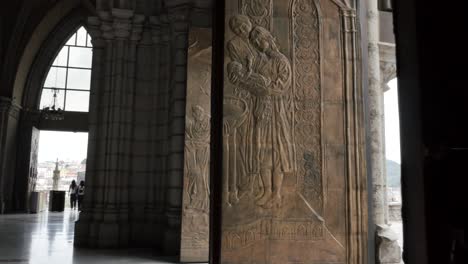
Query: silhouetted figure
(73,194)
(81,193)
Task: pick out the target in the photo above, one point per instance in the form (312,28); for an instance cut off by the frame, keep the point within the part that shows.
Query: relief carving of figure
(269,84)
(197,134)
(239,47)
(241,51)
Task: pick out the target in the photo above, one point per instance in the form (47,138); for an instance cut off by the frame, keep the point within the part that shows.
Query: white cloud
(392,123)
(67,146)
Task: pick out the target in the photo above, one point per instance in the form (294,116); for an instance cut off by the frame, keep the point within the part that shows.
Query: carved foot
(233,199)
(265,198)
(226,199)
(275,201)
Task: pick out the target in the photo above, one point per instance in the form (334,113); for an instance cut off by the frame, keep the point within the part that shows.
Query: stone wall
(293,170)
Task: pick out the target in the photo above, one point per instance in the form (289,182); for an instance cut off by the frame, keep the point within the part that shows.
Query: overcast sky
(67,146)
(392,123)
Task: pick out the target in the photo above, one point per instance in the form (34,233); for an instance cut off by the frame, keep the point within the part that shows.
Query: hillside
(393,174)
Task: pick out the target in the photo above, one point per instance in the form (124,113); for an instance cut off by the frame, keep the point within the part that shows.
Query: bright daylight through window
(69,77)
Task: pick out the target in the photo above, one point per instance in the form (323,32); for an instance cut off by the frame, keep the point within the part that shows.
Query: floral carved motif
(307,95)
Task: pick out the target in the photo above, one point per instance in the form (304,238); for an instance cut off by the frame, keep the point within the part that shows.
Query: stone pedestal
(387,249)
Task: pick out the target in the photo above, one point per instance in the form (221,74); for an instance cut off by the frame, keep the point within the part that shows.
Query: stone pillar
(178,17)
(104,221)
(376,113)
(154,207)
(385,247)
(9,116)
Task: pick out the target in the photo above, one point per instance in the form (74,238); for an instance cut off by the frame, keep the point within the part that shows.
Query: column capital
(117,23)
(388,71)
(156,24)
(179,16)
(7,106)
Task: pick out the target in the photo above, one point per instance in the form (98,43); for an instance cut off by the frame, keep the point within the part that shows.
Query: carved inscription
(272,229)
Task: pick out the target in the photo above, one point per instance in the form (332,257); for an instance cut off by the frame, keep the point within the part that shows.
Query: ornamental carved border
(306,65)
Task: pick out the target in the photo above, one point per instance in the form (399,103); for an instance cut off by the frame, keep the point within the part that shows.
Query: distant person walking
(81,192)
(73,190)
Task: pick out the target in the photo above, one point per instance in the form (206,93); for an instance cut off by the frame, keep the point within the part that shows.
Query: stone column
(153,206)
(178,16)
(376,114)
(104,223)
(9,116)
(386,248)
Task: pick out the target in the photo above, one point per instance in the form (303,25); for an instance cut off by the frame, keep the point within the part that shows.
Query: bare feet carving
(265,197)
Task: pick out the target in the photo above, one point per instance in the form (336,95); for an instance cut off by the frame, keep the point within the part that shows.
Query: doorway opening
(61,159)
(393,159)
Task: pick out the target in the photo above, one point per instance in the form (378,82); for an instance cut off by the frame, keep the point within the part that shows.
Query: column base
(387,249)
(172,233)
(101,234)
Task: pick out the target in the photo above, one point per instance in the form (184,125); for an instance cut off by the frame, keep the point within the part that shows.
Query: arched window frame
(69,75)
(50,47)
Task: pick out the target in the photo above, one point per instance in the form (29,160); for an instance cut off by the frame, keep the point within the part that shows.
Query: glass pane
(88,44)
(61,59)
(71,40)
(77,101)
(79,79)
(47,98)
(80,57)
(55,78)
(81,37)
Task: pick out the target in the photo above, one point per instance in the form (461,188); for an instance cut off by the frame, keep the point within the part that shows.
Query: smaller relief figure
(250,81)
(239,47)
(197,145)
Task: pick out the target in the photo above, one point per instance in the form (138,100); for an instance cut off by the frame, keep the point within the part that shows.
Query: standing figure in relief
(240,50)
(274,154)
(197,144)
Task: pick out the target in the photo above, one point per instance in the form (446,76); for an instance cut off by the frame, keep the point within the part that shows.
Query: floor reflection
(48,238)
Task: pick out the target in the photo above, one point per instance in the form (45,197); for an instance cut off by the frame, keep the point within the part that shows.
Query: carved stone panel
(195,211)
(292,146)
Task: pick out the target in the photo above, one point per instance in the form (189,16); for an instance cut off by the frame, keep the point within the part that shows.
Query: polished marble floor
(47,238)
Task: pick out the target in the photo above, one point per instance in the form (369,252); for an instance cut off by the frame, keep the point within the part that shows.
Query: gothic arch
(41,47)
(45,56)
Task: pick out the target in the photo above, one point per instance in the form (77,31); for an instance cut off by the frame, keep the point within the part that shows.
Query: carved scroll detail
(307,94)
(259,11)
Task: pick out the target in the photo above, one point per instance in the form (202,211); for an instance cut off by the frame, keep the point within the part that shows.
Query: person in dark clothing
(81,192)
(73,190)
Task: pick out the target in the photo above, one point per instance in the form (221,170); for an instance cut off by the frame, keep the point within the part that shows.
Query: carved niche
(195,211)
(289,181)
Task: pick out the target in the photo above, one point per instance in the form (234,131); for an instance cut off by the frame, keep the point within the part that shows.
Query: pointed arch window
(69,77)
